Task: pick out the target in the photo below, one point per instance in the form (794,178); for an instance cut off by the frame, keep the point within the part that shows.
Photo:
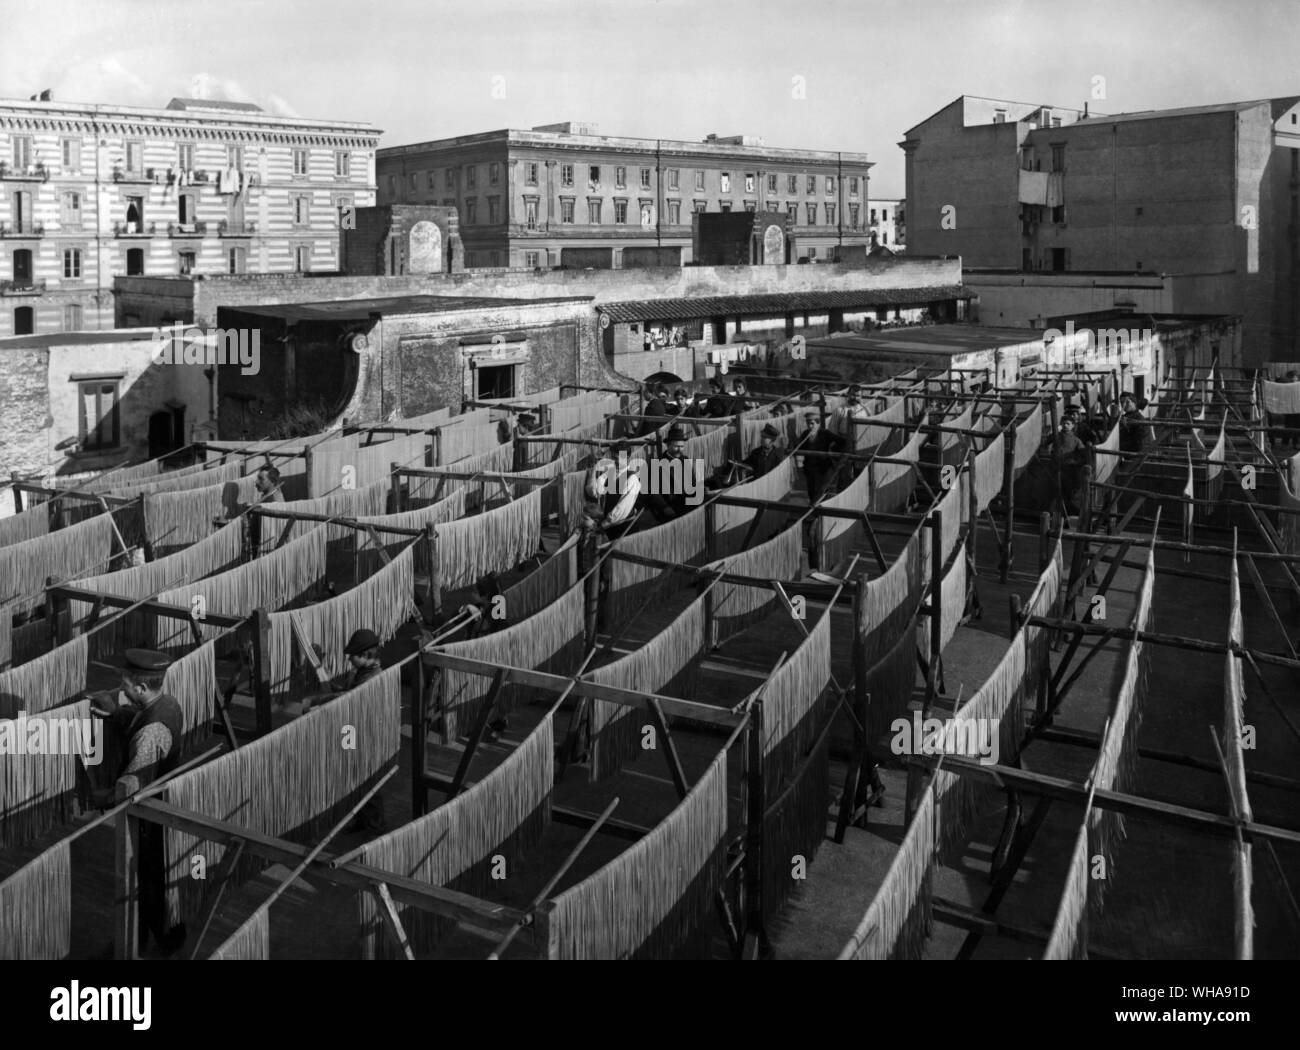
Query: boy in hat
(767,456)
(670,505)
(818,470)
(152,723)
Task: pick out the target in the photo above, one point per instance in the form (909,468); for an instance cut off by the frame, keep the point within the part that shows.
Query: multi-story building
(88,192)
(1210,193)
(562,195)
(886,222)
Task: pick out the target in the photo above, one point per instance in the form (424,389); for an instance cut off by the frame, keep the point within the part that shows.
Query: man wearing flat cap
(767,456)
(818,470)
(152,724)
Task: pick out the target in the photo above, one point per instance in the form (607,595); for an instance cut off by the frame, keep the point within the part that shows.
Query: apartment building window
(302,258)
(392,186)
(412,182)
(530,212)
(647,214)
(24,320)
(771,183)
(830,215)
(884,236)
(593,174)
(699,180)
(72,317)
(811,184)
(343,166)
(620,178)
(134,214)
(699,206)
(884,214)
(236,260)
(187,261)
(674,213)
(566,174)
(431,180)
(812,254)
(235,157)
(449,202)
(301,209)
(724,182)
(1056,122)
(71,154)
(620,211)
(645,178)
(873,216)
(674,176)
(749,182)
(22,152)
(724,205)
(593,212)
(566,210)
(471,211)
(812,215)
(71,210)
(471,176)
(97,416)
(532,259)
(792,184)
(751,205)
(494,210)
(792,211)
(494,174)
(999,116)
(185,156)
(185,209)
(134,262)
(1058,157)
(1058,214)
(1061,259)
(830,183)
(134,157)
(853,185)
(72,264)
(300,162)
(450,182)
(530,173)
(855,213)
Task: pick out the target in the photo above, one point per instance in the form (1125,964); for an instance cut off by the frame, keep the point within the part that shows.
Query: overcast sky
(870,69)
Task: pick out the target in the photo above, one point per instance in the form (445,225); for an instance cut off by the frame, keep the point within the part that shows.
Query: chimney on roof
(47,95)
(1085,110)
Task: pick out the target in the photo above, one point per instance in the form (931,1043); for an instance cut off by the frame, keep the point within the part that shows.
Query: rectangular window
(300,162)
(134,157)
(411,181)
(187,262)
(71,213)
(873,216)
(792,211)
(855,213)
(700,206)
(751,205)
(71,151)
(471,176)
(566,210)
(185,156)
(674,176)
(1058,158)
(530,173)
(1058,214)
(494,174)
(235,157)
(853,185)
(811,186)
(531,259)
(830,215)
(812,215)
(72,264)
(530,212)
(22,152)
(645,178)
(392,185)
(771,183)
(620,211)
(301,209)
(343,167)
(674,213)
(749,182)
(884,214)
(72,317)
(494,210)
(620,178)
(302,258)
(593,212)
(97,425)
(812,254)
(792,184)
(451,179)
(724,205)
(830,183)
(999,116)
(699,180)
(724,182)
(593,174)
(471,211)
(431,180)
(236,260)
(566,174)
(185,209)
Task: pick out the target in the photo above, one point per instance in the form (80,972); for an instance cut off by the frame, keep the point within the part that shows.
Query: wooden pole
(261,627)
(1009,497)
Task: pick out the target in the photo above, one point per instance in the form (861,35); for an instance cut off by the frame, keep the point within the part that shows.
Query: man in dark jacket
(767,456)
(818,470)
(1133,427)
(719,404)
(656,405)
(151,721)
(1073,457)
(665,506)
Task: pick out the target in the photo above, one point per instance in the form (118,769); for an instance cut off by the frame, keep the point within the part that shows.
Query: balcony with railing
(134,229)
(30,173)
(27,286)
(187,229)
(147,177)
(230,228)
(25,228)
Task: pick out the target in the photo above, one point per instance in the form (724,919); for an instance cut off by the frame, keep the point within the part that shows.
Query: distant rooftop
(393,305)
(213,103)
